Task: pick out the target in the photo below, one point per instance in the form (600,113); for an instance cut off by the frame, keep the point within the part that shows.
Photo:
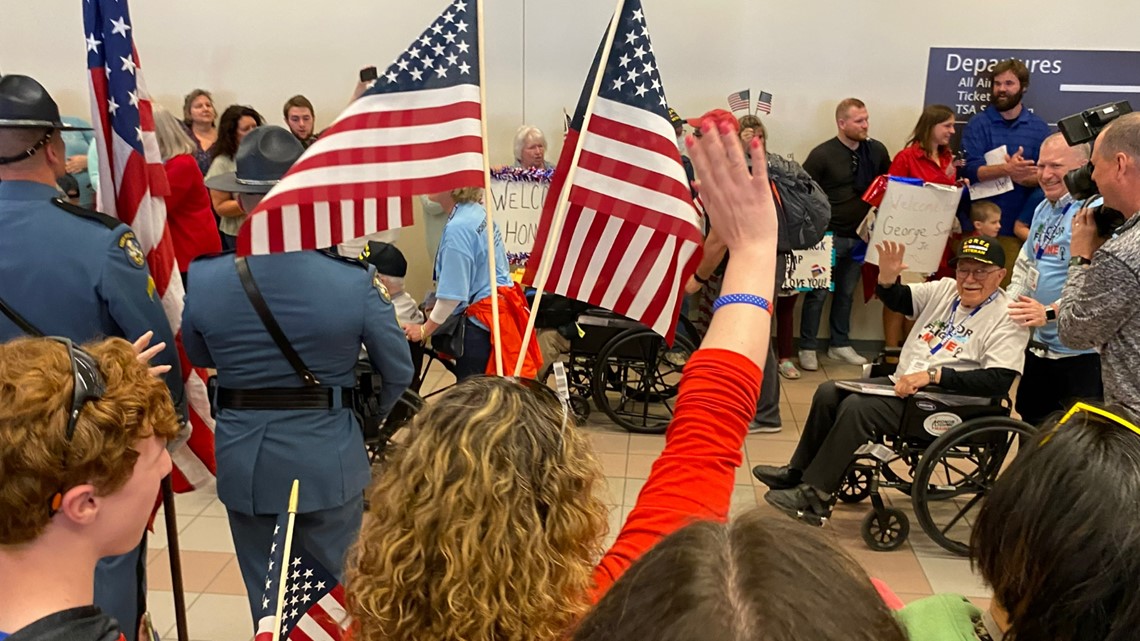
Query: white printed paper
(920,219)
(991,188)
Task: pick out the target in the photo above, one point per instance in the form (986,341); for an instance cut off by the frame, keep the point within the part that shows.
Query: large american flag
(132,189)
(740,101)
(313,609)
(418,130)
(631,235)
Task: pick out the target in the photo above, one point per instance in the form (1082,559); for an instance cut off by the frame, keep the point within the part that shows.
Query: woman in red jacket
(188,210)
(488,526)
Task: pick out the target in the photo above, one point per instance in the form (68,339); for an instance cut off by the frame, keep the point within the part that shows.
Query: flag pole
(564,196)
(496,336)
(285,560)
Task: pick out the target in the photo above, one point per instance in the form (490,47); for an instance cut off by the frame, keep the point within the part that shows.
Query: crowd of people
(486,524)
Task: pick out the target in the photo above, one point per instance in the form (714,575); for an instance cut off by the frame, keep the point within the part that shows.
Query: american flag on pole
(740,100)
(631,236)
(416,131)
(314,600)
(764,102)
(132,189)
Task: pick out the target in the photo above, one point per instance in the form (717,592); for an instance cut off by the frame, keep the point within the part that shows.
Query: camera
(1083,128)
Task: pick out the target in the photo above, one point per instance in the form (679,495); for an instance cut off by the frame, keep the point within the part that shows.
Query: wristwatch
(932,373)
(1050,314)
(1079,261)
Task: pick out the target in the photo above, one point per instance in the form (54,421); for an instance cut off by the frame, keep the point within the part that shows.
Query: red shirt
(913,162)
(189,213)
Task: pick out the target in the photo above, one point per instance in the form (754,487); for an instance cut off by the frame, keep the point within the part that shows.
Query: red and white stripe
(133,190)
(631,234)
(325,620)
(360,177)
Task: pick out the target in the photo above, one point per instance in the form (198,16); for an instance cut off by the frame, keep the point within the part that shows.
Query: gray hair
(172,138)
(1122,136)
(525,133)
(1083,150)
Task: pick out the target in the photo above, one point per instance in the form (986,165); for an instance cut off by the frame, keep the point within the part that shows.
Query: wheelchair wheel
(636,378)
(407,406)
(887,531)
(580,407)
(956,473)
(856,485)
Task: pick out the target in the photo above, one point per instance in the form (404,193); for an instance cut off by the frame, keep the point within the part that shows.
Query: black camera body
(1084,128)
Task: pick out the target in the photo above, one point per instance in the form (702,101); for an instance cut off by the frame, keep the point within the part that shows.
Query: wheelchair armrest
(957,399)
(884,364)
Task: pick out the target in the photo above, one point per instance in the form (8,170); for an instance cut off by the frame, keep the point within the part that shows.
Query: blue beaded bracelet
(748,299)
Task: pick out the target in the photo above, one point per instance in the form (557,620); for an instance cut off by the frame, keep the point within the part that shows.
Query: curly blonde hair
(35,393)
(485,528)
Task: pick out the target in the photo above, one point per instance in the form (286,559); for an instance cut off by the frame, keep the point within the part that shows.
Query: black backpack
(801,205)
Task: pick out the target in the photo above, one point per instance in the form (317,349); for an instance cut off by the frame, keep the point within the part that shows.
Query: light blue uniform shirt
(1050,235)
(461,270)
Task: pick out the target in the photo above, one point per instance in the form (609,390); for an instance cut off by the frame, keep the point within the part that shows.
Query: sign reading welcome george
(1061,82)
(918,217)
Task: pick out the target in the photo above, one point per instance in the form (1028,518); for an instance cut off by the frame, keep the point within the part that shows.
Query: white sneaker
(809,360)
(847,354)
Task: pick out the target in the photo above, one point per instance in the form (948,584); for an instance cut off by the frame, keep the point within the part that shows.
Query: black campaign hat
(387,258)
(263,157)
(25,104)
(984,249)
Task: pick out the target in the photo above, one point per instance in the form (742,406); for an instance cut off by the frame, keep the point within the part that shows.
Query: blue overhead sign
(1061,82)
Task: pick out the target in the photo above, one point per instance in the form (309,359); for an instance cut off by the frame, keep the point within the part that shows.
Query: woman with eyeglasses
(1057,540)
(82,452)
(488,526)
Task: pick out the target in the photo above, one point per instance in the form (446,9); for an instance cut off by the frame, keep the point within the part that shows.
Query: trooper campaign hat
(263,157)
(25,104)
(984,249)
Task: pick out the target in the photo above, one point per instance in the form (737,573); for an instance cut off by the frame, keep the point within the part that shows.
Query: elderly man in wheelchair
(963,342)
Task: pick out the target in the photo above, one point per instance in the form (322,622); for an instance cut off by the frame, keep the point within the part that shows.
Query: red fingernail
(725,128)
(690,141)
(755,143)
(706,126)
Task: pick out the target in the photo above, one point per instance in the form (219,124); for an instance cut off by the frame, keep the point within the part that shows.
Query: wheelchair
(948,453)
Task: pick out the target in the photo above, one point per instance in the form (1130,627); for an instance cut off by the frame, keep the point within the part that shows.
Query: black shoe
(777,478)
(803,503)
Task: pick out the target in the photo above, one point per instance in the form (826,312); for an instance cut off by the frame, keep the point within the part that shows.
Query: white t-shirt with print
(987,339)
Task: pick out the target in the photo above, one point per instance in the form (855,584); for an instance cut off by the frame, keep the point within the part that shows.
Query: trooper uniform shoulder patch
(379,285)
(130,246)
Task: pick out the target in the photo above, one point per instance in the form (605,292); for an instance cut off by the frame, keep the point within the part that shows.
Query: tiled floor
(215,595)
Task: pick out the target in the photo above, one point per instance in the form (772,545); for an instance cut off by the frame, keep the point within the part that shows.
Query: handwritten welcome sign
(808,269)
(518,206)
(920,218)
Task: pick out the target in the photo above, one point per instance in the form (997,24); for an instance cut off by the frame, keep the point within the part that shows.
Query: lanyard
(1050,232)
(950,324)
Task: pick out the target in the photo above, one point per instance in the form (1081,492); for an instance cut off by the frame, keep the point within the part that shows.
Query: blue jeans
(476,353)
(846,279)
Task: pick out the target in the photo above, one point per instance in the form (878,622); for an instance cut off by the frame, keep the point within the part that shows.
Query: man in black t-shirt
(844,167)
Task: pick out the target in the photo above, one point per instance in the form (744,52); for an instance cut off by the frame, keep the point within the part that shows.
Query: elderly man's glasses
(88,385)
(978,273)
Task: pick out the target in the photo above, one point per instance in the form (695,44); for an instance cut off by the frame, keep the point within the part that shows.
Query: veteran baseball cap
(984,249)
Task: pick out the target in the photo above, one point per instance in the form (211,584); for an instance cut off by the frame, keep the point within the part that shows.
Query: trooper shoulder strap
(20,321)
(258,302)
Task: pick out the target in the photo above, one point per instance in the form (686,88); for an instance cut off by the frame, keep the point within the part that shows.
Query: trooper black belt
(286,398)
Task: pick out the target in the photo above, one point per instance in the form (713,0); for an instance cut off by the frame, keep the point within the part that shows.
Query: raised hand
(143,353)
(891,264)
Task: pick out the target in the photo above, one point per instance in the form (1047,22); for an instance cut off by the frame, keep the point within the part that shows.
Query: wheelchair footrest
(878,451)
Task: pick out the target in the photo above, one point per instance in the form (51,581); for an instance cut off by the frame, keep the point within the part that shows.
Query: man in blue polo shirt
(1054,374)
(1006,123)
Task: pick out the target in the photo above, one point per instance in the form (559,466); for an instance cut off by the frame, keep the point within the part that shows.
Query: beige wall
(809,54)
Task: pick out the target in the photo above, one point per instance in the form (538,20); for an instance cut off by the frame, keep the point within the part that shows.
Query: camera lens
(1080,183)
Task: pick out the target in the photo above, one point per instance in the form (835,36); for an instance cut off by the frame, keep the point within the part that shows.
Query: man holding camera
(284,332)
(1098,304)
(1055,374)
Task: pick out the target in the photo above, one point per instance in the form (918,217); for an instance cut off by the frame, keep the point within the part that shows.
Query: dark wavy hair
(228,126)
(754,578)
(1058,537)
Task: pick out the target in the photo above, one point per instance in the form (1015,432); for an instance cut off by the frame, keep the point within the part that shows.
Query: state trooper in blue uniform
(71,272)
(266,436)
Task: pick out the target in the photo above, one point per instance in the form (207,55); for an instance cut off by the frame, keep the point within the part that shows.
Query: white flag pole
(285,560)
(496,336)
(564,196)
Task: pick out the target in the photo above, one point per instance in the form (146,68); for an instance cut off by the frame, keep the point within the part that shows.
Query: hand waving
(890,261)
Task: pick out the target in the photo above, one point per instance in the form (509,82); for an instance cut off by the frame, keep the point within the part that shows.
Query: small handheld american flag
(418,130)
(630,237)
(740,100)
(764,103)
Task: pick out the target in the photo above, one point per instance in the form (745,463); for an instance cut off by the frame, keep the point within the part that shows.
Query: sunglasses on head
(88,385)
(1092,409)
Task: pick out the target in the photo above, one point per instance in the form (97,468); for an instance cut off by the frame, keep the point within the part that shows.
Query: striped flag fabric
(133,189)
(764,103)
(740,100)
(418,130)
(313,609)
(630,238)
